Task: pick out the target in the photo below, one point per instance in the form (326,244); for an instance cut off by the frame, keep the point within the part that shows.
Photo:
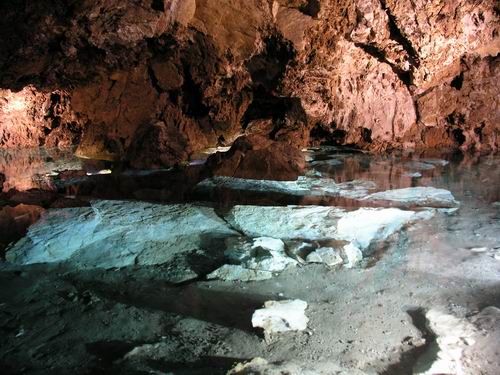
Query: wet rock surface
(379,299)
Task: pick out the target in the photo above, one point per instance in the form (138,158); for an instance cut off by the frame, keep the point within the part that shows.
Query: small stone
(325,255)
(233,272)
(353,254)
(281,316)
(479,249)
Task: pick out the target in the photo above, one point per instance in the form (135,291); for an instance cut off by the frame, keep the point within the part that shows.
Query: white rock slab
(366,225)
(416,196)
(303,186)
(281,316)
(117,234)
(360,227)
(286,222)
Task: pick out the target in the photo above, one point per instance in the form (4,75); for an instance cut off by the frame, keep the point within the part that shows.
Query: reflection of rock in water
(30,168)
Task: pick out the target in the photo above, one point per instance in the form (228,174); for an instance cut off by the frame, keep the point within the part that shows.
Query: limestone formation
(154,82)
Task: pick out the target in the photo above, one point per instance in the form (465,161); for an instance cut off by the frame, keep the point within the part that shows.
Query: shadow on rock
(229,309)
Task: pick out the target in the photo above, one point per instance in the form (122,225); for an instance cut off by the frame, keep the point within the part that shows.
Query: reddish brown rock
(137,76)
(31,118)
(377,73)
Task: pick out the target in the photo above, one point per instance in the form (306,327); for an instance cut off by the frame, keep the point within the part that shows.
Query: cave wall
(411,73)
(154,81)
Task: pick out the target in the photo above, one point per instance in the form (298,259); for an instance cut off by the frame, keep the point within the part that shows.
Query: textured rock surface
(390,73)
(361,227)
(153,82)
(117,234)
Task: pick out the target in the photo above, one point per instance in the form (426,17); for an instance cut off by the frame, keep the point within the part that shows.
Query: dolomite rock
(377,74)
(366,225)
(360,227)
(32,118)
(257,157)
(400,73)
(444,356)
(112,234)
(416,196)
(281,316)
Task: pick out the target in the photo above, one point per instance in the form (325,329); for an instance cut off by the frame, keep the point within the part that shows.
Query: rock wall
(387,73)
(154,81)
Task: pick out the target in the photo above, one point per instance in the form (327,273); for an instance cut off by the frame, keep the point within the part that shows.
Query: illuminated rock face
(153,82)
(31,117)
(113,234)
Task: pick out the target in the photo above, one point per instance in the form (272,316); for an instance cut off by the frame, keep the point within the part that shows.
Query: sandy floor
(375,318)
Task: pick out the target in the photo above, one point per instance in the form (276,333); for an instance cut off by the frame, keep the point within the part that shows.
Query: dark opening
(55,98)
(267,68)
(479,131)
(458,81)
(366,135)
(192,96)
(312,8)
(459,136)
(158,5)
(328,135)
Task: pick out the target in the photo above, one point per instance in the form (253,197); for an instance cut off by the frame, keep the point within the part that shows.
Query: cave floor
(421,301)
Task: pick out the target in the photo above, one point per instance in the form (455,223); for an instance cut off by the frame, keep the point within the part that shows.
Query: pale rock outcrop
(444,356)
(113,234)
(281,316)
(421,196)
(361,227)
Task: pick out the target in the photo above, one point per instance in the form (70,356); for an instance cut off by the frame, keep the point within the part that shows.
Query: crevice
(366,135)
(192,97)
(410,358)
(404,76)
(458,136)
(311,8)
(154,80)
(397,35)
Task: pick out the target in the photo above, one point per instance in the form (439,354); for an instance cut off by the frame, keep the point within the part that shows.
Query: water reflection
(64,175)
